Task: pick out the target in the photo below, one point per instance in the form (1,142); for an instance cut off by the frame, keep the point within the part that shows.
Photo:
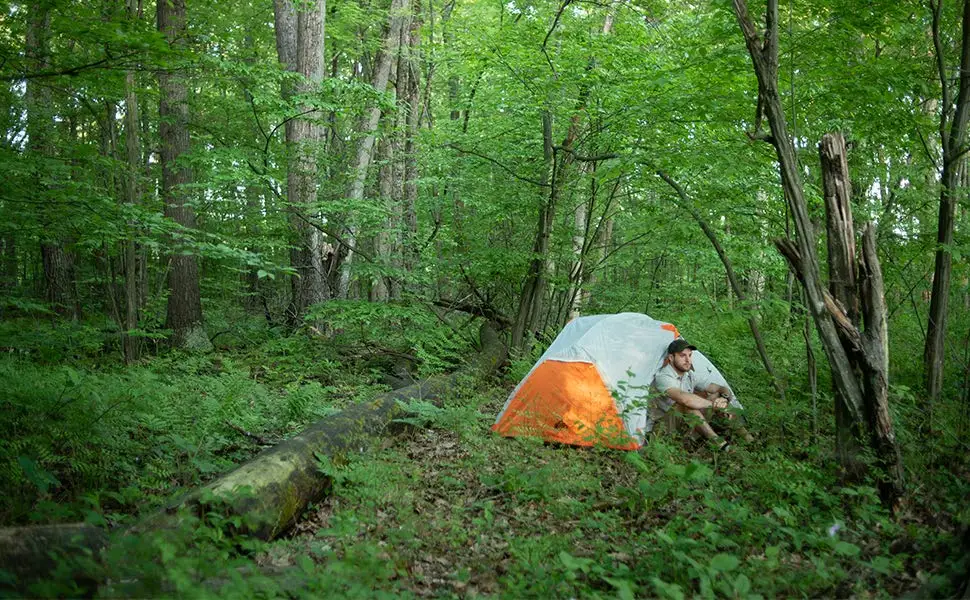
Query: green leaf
(667,590)
(624,589)
(742,585)
(574,563)
(846,549)
(724,562)
(698,472)
(37,475)
(882,564)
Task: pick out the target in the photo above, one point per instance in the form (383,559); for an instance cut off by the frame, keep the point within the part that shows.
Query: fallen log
(28,551)
(270,491)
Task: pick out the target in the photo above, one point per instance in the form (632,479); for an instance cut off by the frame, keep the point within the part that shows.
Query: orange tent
(592,385)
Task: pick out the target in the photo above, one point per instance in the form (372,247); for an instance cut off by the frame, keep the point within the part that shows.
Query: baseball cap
(679,345)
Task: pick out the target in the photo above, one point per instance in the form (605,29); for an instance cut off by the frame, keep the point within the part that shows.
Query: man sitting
(683,390)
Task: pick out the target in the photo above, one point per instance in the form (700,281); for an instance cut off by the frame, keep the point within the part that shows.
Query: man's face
(682,360)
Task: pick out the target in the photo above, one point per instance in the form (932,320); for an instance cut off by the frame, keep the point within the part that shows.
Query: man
(683,391)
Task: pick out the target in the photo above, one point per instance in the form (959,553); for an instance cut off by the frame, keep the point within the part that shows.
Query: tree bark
(367,131)
(409,231)
(811,367)
(383,246)
(33,553)
(184,315)
(300,49)
(305,135)
(534,283)
(837,192)
(953,138)
(841,340)
(8,262)
(130,346)
(58,263)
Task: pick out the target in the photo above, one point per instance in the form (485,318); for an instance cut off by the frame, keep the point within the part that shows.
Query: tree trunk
(58,263)
(834,327)
(130,346)
(383,249)
(35,552)
(367,131)
(534,284)
(59,279)
(582,215)
(409,231)
(396,174)
(953,137)
(113,274)
(300,48)
(837,191)
(184,316)
(686,204)
(8,262)
(812,369)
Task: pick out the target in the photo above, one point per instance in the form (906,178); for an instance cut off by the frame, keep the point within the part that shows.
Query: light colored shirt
(669,378)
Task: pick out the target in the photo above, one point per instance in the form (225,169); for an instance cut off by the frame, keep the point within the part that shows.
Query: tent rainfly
(592,385)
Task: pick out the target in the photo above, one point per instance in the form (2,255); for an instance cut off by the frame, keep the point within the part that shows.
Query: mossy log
(274,488)
(26,552)
(270,491)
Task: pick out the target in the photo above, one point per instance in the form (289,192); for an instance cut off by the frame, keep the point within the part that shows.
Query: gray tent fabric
(627,350)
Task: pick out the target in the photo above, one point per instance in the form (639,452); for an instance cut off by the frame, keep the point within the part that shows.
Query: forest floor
(454,511)
(449,509)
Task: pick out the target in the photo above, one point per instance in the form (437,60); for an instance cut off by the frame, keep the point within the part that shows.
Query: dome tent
(591,386)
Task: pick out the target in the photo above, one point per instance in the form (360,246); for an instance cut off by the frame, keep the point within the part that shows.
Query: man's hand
(719,403)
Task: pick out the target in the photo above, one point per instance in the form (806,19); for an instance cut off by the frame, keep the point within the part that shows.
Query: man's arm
(721,390)
(693,400)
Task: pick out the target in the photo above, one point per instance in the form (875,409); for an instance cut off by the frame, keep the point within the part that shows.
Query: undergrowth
(449,509)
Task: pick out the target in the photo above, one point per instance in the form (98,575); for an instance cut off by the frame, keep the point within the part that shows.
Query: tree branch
(936,6)
(67,70)
(500,165)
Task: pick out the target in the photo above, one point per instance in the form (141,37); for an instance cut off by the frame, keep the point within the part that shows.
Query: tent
(591,386)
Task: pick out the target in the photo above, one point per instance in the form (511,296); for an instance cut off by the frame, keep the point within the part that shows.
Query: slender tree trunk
(184,301)
(254,301)
(845,346)
(534,284)
(368,129)
(953,137)
(300,47)
(113,274)
(380,289)
(130,346)
(842,284)
(397,174)
(8,262)
(58,263)
(686,203)
(414,107)
(581,230)
(385,286)
(811,367)
(584,210)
